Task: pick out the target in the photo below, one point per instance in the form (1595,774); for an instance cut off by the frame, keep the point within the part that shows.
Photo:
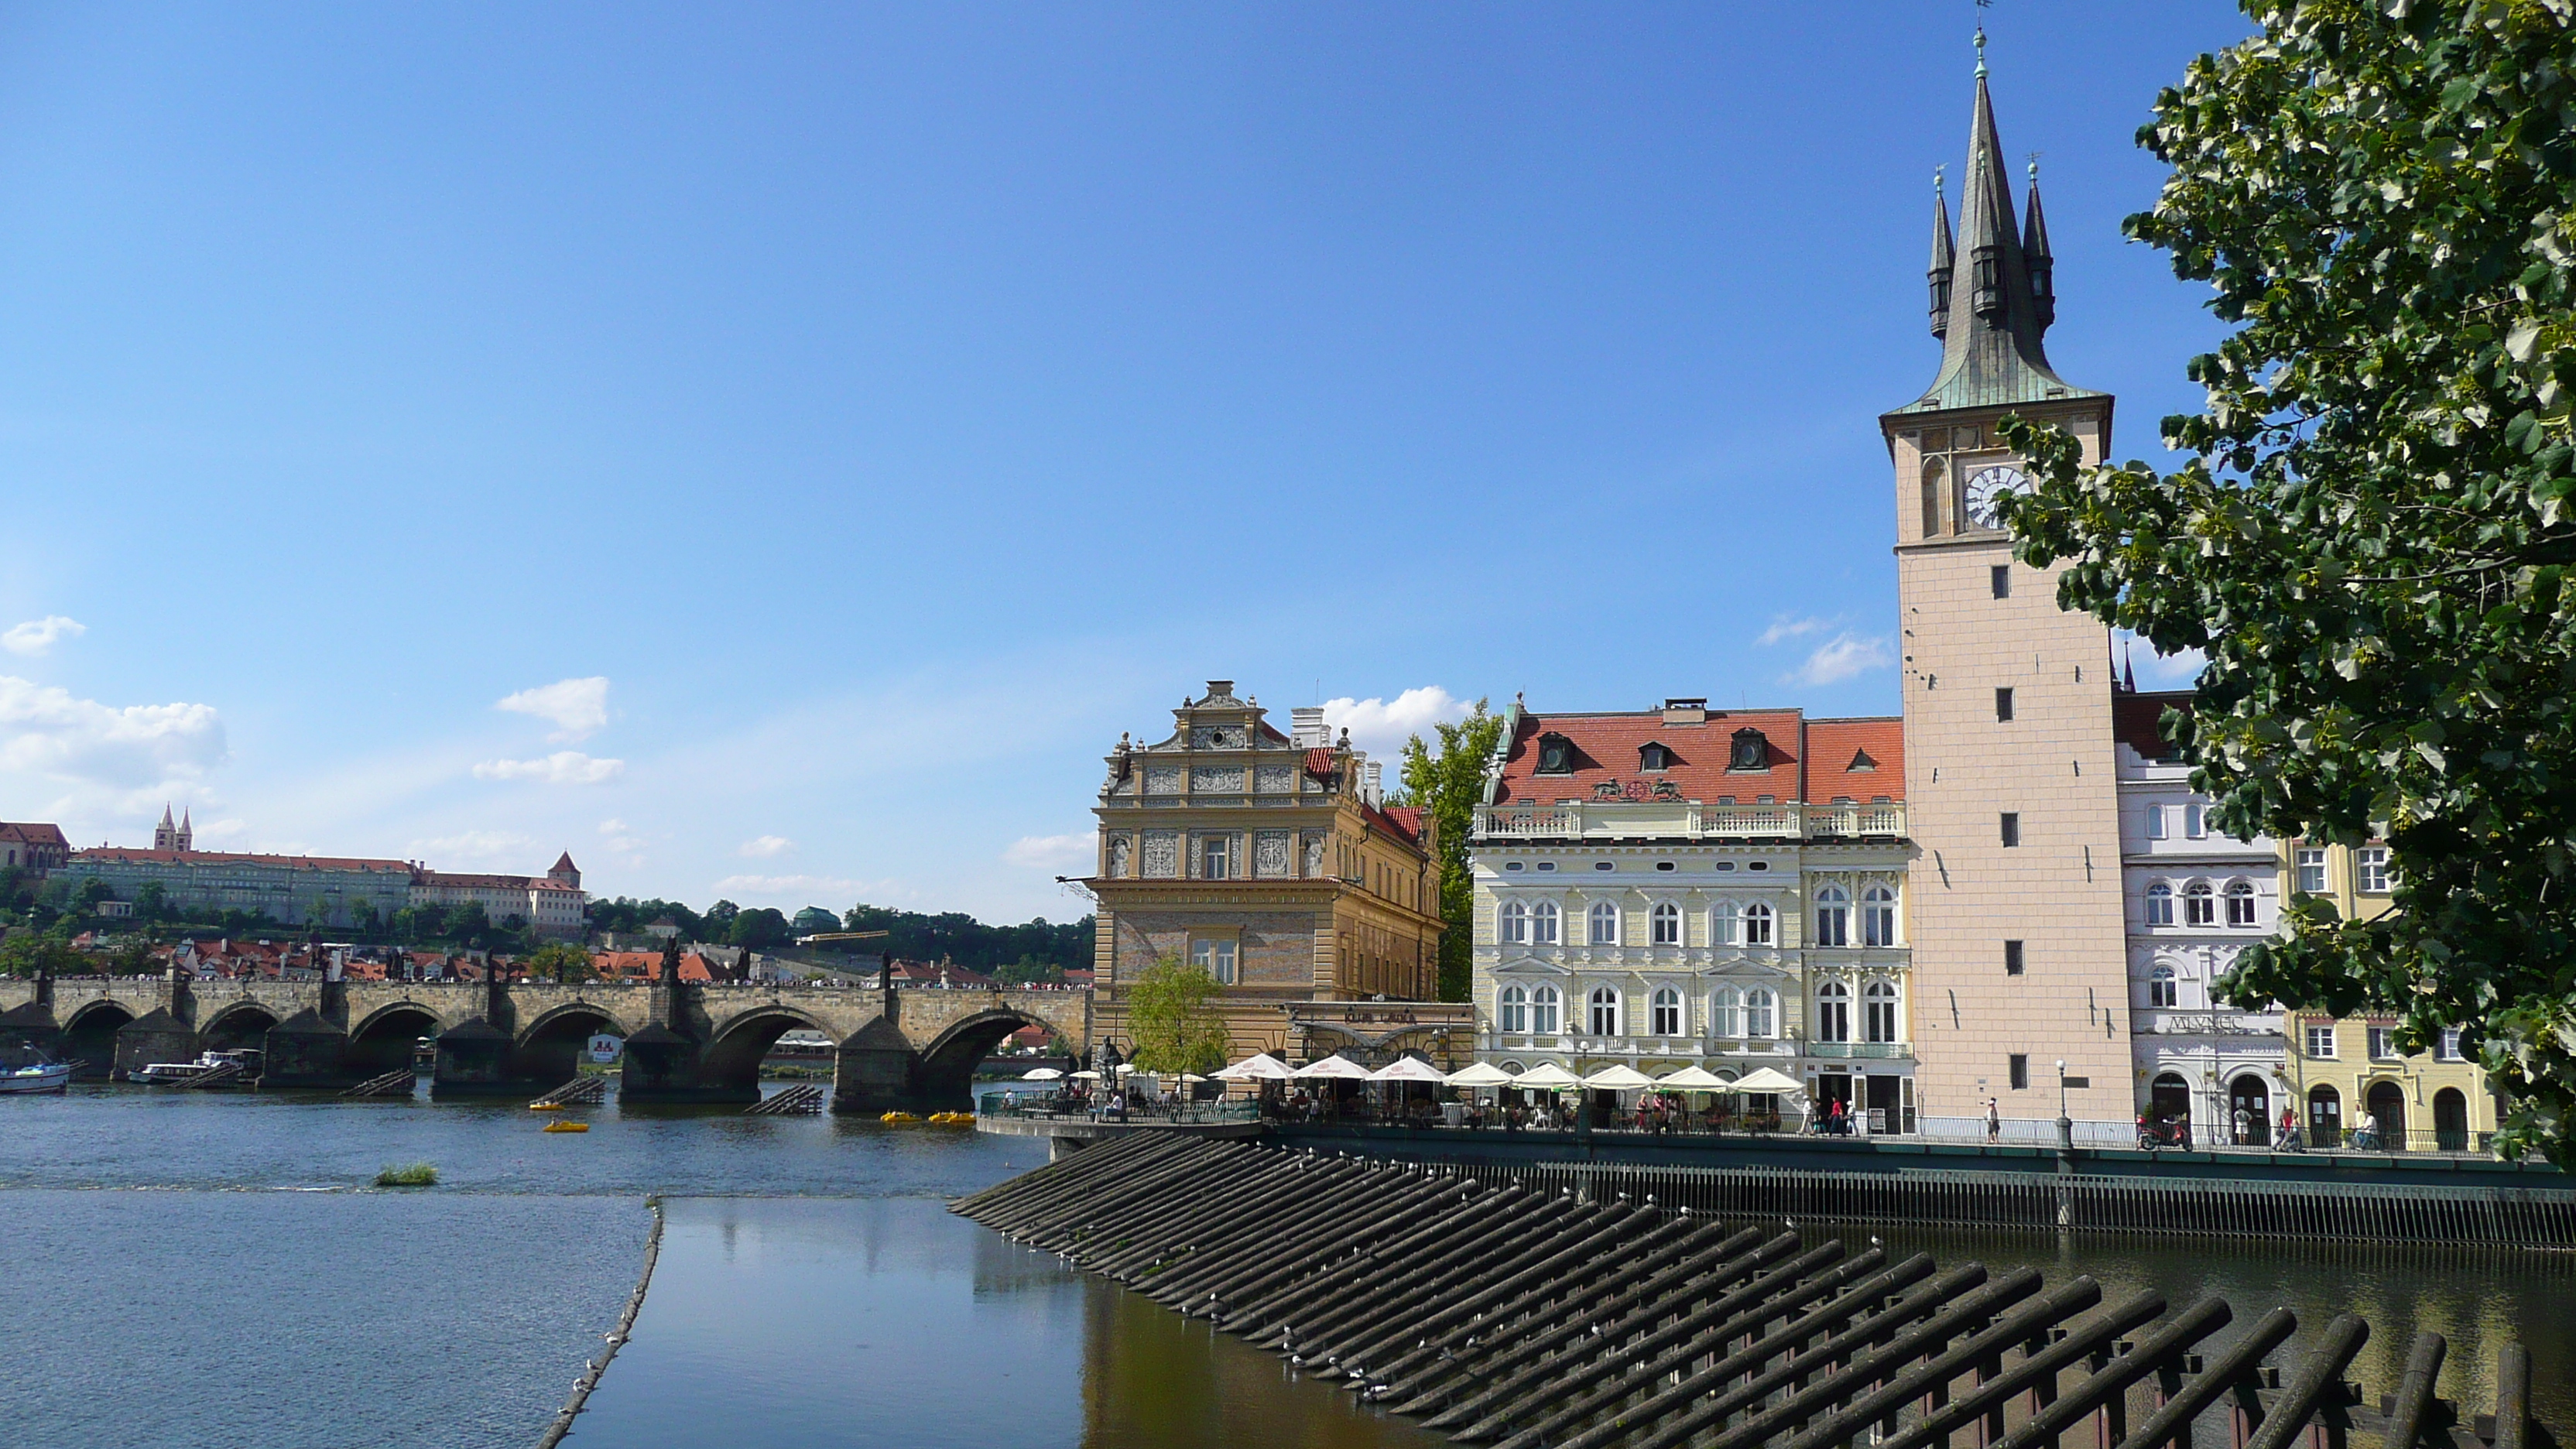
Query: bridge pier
(306,1050)
(664,1066)
(473,1061)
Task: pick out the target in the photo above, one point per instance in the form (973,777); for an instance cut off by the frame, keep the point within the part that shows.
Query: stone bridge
(899,1046)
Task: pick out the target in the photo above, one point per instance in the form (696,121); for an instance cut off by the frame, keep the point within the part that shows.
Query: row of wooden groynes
(1503,1315)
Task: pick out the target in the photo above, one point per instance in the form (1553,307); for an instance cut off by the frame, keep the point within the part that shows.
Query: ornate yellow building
(1272,861)
(2347,1071)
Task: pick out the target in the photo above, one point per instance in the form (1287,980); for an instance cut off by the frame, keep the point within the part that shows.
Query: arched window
(1833,1012)
(1543,1001)
(1757,924)
(1724,924)
(1878,1012)
(1833,919)
(2161,990)
(1761,1016)
(1666,919)
(2197,904)
(1878,918)
(1515,1010)
(1515,924)
(2240,903)
(1543,924)
(1604,1014)
(2160,904)
(1725,1011)
(1665,1016)
(1603,924)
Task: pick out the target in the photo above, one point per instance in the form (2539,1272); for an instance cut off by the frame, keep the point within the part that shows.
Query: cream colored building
(1272,861)
(2019,948)
(2344,1071)
(1696,887)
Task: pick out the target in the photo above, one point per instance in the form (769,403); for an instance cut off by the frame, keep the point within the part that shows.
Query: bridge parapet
(901,1048)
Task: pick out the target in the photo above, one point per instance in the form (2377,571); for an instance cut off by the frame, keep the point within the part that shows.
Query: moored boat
(41,1076)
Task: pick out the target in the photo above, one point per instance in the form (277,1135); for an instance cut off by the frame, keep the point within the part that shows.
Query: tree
(2372,539)
(1448,787)
(29,955)
(717,923)
(151,900)
(134,958)
(1172,1016)
(560,963)
(86,896)
(1029,971)
(758,929)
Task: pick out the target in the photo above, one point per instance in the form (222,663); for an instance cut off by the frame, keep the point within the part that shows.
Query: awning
(1258,1067)
(1334,1066)
(1620,1078)
(1482,1074)
(1409,1069)
(1768,1081)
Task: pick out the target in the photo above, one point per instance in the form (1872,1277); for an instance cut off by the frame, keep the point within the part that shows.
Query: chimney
(1374,792)
(1306,727)
(1685,711)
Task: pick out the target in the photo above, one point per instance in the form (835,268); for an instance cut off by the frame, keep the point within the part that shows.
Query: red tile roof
(34,833)
(2136,720)
(1402,821)
(1812,760)
(1856,759)
(120,854)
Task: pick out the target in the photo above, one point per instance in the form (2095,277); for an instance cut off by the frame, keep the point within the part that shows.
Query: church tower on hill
(2019,950)
(166,836)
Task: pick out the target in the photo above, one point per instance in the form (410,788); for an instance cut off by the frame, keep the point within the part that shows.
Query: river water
(212,1270)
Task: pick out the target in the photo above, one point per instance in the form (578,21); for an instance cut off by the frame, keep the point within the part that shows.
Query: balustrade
(1621,819)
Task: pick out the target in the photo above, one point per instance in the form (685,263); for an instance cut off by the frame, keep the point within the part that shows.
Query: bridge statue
(685,1041)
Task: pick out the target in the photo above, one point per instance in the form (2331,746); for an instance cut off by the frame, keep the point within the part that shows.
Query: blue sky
(772,453)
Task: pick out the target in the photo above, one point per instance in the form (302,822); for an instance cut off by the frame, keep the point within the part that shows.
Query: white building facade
(2195,898)
(1689,887)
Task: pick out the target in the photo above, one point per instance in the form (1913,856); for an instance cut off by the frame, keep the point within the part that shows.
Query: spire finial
(1981,46)
(1936,181)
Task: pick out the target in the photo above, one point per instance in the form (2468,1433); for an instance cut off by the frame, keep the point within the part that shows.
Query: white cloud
(1380,727)
(563,767)
(2179,670)
(1052,852)
(577,708)
(482,846)
(38,635)
(805,890)
(1784,628)
(136,748)
(1841,657)
(766,846)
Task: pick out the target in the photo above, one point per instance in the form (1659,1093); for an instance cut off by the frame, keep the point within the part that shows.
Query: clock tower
(2020,956)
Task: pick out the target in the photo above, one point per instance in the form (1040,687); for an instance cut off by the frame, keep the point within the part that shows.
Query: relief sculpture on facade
(1217,780)
(1162,779)
(1274,779)
(1162,854)
(1270,854)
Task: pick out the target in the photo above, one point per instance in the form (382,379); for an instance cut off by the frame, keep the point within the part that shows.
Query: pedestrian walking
(1994,1120)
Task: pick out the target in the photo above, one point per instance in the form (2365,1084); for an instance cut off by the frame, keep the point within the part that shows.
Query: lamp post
(2065,1123)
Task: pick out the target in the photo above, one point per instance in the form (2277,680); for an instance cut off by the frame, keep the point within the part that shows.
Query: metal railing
(1624,818)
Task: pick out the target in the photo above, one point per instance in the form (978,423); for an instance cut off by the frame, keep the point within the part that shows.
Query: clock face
(1986,488)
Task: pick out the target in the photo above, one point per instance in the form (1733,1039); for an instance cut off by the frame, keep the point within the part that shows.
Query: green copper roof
(2000,304)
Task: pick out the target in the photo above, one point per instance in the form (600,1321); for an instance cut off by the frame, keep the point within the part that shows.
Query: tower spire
(2001,298)
(2035,256)
(1944,258)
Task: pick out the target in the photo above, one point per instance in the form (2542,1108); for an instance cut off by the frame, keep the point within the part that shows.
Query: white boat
(173,1073)
(41,1077)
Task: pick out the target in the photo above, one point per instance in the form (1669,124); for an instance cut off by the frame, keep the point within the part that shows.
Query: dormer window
(1555,755)
(1654,757)
(1860,761)
(1751,751)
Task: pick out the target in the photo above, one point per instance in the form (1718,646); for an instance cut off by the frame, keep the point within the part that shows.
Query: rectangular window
(2446,1046)
(2321,1042)
(2003,706)
(2383,1044)
(2312,870)
(2012,828)
(2193,826)
(2019,1067)
(1212,854)
(2370,866)
(2012,958)
(1216,958)
(2000,578)
(2155,822)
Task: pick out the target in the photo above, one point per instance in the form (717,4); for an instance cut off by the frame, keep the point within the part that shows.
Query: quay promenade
(684,1042)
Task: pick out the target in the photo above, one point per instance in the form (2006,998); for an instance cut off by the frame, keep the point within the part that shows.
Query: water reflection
(803,1321)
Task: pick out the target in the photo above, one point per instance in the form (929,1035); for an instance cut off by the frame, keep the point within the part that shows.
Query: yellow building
(1273,862)
(2347,1071)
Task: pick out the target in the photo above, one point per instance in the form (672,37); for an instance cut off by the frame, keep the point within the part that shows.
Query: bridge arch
(734,1051)
(385,1038)
(89,1038)
(236,1025)
(549,1048)
(946,1072)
